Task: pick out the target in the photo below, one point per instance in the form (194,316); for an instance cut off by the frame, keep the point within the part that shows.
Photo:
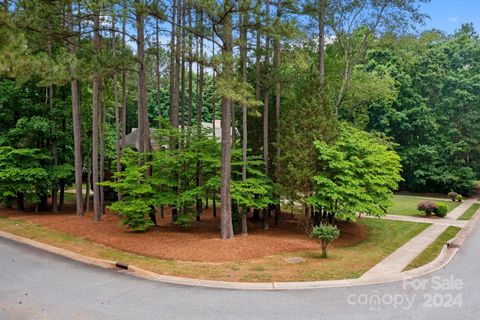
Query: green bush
(441,210)
(184,221)
(459,198)
(325,233)
(135,214)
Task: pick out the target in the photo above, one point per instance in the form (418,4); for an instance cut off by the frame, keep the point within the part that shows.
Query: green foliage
(184,220)
(435,116)
(441,210)
(357,173)
(325,233)
(459,198)
(22,171)
(136,190)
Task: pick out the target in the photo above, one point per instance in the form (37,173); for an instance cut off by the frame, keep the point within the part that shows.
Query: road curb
(445,256)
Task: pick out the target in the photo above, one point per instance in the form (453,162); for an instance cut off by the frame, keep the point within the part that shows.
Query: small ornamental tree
(325,233)
(357,173)
(132,183)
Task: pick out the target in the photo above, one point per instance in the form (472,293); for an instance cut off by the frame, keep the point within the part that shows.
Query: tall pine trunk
(143,124)
(157,67)
(172,66)
(97,212)
(266,100)
(53,142)
(278,91)
(124,79)
(243,40)
(115,98)
(76,117)
(226,227)
(102,153)
(190,67)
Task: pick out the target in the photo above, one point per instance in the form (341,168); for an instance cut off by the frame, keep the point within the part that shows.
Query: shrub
(441,210)
(184,221)
(135,214)
(453,195)
(459,198)
(325,233)
(427,206)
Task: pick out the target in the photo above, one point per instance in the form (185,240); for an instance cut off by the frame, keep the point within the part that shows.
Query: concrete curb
(445,256)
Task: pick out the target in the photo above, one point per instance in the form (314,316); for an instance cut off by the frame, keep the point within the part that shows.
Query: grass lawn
(352,261)
(467,215)
(433,250)
(407,205)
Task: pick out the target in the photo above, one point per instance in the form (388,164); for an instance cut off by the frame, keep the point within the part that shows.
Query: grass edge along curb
(445,256)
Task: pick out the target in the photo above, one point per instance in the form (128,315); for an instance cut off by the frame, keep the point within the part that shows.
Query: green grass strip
(467,215)
(433,250)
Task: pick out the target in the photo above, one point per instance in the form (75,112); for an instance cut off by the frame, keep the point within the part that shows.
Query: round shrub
(452,195)
(428,207)
(441,210)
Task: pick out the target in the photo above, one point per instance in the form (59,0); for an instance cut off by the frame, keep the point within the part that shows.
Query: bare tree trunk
(266,100)
(76,117)
(172,66)
(97,212)
(226,227)
(182,81)
(277,50)
(157,67)
(214,195)
(53,140)
(199,108)
(143,124)
(190,67)
(102,154)
(124,79)
(115,98)
(86,208)
(177,66)
(257,54)
(200,79)
(243,40)
(61,200)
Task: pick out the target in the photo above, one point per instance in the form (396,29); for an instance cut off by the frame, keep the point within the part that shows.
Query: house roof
(132,139)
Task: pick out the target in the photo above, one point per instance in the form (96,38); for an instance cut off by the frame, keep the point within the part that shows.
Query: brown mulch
(199,243)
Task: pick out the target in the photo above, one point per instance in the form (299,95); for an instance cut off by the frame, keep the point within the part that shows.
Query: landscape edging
(445,256)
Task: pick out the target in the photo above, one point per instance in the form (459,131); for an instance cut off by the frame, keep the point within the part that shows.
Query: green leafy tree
(357,174)
(23,176)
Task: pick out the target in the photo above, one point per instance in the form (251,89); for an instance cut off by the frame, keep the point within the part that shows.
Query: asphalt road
(39,285)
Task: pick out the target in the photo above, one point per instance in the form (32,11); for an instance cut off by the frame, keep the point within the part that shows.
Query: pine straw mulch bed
(201,243)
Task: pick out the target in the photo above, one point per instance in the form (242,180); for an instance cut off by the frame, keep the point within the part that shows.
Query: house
(132,138)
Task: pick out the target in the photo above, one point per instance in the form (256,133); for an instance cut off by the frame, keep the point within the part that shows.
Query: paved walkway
(401,258)
(461,208)
(433,220)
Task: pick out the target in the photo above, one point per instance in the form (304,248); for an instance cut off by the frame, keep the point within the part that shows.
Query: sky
(448,15)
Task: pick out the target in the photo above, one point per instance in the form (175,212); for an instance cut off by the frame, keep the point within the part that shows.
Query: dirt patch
(201,243)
